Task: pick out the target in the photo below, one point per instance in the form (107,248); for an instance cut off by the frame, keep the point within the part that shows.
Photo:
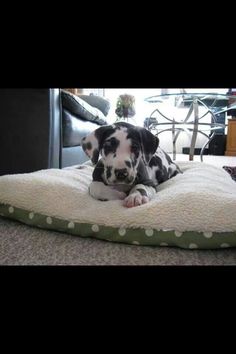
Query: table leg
(195,130)
(174,140)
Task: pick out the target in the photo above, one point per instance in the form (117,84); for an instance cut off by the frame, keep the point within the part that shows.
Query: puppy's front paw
(121,195)
(100,191)
(113,195)
(135,200)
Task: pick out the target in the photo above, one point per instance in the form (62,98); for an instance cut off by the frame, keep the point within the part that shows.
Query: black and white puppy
(131,164)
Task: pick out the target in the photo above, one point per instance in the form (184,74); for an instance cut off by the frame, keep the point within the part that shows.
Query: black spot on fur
(142,192)
(111,145)
(98,172)
(95,156)
(134,162)
(143,177)
(108,171)
(135,149)
(175,173)
(155,161)
(104,132)
(87,146)
(162,173)
(149,143)
(128,164)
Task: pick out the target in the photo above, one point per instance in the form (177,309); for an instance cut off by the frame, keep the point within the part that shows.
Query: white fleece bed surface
(203,198)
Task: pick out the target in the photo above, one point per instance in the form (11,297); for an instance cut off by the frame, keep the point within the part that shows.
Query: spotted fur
(129,164)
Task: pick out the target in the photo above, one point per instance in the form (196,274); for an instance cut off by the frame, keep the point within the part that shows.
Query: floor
(218,161)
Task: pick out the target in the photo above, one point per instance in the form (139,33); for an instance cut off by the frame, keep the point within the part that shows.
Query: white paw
(114,195)
(121,195)
(135,200)
(100,191)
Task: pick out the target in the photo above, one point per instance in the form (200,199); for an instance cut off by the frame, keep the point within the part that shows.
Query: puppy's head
(121,147)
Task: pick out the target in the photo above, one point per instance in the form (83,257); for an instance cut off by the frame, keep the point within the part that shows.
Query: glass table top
(216,102)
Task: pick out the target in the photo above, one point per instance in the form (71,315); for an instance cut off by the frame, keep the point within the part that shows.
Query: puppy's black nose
(121,174)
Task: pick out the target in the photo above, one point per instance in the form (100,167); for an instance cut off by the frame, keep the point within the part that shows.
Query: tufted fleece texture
(193,210)
(203,198)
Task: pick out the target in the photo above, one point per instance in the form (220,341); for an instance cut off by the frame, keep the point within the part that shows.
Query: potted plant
(125,106)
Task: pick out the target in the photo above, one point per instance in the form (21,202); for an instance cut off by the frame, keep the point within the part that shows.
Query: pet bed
(193,210)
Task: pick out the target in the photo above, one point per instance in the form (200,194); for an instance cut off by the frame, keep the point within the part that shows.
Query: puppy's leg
(100,191)
(139,195)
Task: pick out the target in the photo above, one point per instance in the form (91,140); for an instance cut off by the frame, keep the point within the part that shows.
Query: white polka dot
(95,228)
(149,232)
(49,220)
(178,233)
(31,215)
(163,244)
(135,243)
(11,209)
(122,231)
(208,234)
(71,225)
(193,245)
(224,245)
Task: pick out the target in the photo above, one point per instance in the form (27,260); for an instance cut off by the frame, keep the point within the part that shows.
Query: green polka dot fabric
(195,210)
(146,237)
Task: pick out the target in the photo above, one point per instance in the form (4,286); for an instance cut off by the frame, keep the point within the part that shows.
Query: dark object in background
(197,151)
(220,118)
(30,134)
(40,130)
(148,122)
(217,145)
(232,112)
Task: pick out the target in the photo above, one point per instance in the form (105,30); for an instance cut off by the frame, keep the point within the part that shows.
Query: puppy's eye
(110,146)
(107,144)
(107,147)
(134,148)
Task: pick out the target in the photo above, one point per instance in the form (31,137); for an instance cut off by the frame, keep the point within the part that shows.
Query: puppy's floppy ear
(93,142)
(149,143)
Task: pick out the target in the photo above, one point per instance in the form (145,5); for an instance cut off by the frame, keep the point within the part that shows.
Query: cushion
(74,129)
(81,109)
(97,101)
(193,210)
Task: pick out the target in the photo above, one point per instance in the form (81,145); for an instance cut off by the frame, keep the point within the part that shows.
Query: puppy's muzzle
(121,174)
